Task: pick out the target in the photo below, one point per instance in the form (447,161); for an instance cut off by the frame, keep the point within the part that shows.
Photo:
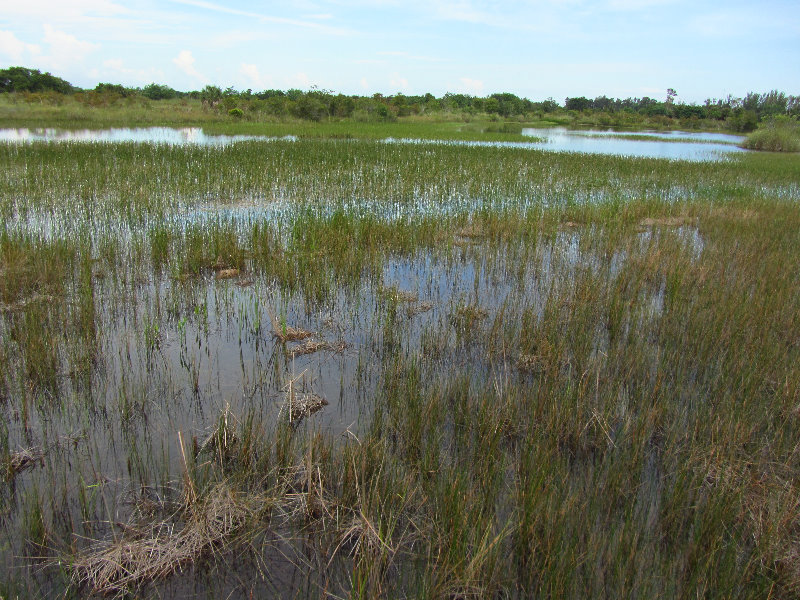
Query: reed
(561,376)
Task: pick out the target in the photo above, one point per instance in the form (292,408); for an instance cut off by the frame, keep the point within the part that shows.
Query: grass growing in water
(600,399)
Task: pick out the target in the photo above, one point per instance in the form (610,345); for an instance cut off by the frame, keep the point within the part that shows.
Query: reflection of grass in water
(621,420)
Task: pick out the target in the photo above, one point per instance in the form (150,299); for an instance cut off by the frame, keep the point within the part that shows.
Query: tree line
(742,114)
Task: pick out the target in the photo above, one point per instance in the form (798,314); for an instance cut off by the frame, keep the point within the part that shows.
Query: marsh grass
(597,395)
(778,135)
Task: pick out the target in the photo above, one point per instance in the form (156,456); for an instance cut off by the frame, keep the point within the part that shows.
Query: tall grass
(561,376)
(777,135)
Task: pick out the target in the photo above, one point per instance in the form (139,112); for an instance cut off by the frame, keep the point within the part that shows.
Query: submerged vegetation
(355,369)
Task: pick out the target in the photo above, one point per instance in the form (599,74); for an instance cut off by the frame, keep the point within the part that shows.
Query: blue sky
(537,48)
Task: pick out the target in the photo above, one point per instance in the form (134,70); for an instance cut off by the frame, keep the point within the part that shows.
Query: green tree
(22,79)
(579,104)
(211,93)
(155,91)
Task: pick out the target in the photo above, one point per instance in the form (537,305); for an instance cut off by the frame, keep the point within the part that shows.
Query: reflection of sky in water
(692,146)
(698,136)
(148,135)
(702,147)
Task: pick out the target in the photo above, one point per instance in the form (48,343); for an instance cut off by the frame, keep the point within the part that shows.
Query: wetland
(294,367)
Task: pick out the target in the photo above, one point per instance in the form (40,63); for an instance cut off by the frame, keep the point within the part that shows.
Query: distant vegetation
(20,79)
(32,87)
(778,134)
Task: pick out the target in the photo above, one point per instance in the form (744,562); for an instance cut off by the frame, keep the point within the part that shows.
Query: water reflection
(676,145)
(143,135)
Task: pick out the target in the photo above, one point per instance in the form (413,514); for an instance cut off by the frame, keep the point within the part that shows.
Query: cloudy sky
(534,48)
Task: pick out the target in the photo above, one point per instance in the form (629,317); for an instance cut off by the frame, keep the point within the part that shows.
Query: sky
(536,49)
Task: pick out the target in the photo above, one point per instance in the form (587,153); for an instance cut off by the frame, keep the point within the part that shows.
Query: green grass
(139,112)
(65,112)
(601,399)
(781,135)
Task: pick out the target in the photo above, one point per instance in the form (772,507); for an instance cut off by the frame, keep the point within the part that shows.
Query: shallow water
(143,135)
(171,356)
(693,146)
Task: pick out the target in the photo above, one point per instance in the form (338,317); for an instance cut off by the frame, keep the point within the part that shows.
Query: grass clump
(117,567)
(777,135)
(597,395)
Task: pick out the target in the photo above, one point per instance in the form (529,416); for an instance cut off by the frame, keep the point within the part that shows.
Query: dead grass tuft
(311,346)
(363,538)
(530,363)
(665,221)
(417,309)
(465,317)
(227,273)
(223,439)
(300,405)
(471,232)
(24,303)
(398,295)
(116,567)
(22,460)
(285,333)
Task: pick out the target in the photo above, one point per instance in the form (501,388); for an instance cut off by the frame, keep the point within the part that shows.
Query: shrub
(236,112)
(780,134)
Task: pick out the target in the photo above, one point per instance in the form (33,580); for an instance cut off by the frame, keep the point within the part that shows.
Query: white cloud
(56,10)
(115,71)
(253,78)
(299,80)
(399,83)
(185,62)
(67,46)
(262,17)
(471,86)
(65,51)
(364,84)
(14,48)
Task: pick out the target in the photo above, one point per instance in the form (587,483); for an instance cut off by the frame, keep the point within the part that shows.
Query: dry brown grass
(398,295)
(734,213)
(465,317)
(291,334)
(471,232)
(117,567)
(530,363)
(25,302)
(300,405)
(286,333)
(311,346)
(227,273)
(665,221)
(22,460)
(417,309)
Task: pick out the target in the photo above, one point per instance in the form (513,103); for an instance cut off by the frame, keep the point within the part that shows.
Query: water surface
(693,146)
(676,145)
(143,135)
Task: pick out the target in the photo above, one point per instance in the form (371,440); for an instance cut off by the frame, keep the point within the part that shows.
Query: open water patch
(673,145)
(143,135)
